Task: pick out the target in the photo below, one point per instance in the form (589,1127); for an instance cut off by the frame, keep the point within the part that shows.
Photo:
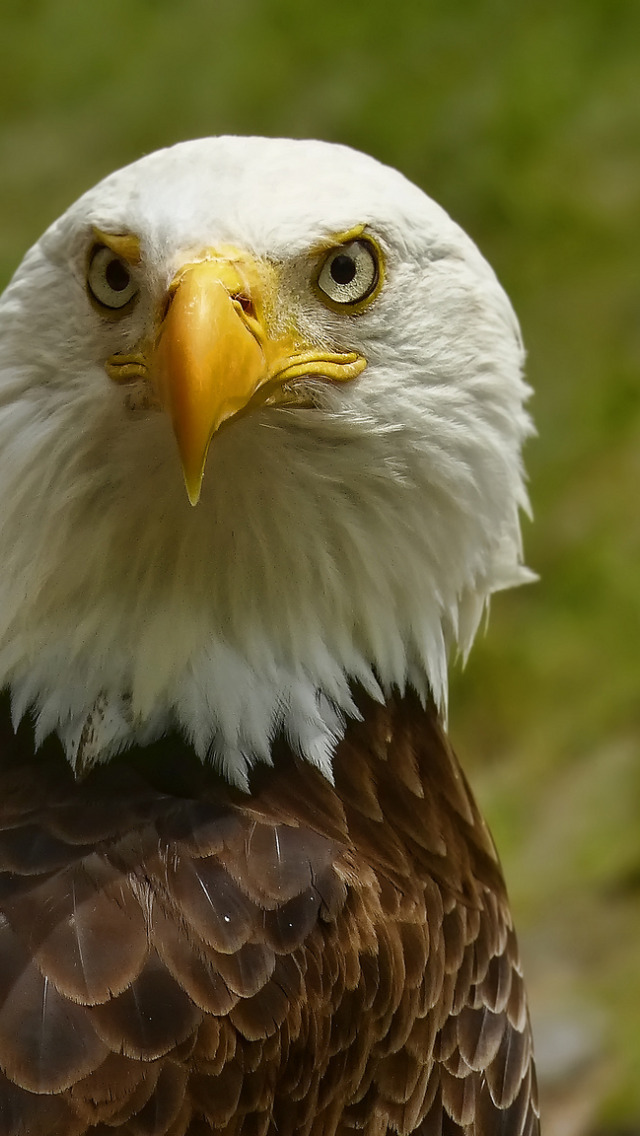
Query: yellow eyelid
(333,244)
(328,244)
(124,245)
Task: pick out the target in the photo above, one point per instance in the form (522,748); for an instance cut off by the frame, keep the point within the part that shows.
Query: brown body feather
(178,958)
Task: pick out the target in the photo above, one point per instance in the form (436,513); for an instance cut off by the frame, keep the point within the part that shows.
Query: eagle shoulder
(177,956)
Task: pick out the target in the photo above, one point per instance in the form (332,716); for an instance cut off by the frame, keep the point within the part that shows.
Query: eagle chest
(308,958)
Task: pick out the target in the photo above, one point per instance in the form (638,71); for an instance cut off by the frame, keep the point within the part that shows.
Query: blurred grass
(524,122)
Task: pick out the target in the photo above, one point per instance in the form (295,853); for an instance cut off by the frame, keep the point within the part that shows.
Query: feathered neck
(122,616)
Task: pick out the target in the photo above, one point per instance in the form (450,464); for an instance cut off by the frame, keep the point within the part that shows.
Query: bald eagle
(261,417)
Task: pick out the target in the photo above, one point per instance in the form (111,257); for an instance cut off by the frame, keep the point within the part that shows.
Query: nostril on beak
(245,303)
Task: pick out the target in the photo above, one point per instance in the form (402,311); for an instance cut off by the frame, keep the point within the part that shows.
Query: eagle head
(260,432)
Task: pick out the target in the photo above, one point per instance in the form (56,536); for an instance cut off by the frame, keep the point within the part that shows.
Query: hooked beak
(215,359)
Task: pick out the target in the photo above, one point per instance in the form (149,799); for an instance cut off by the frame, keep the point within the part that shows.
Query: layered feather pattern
(177,957)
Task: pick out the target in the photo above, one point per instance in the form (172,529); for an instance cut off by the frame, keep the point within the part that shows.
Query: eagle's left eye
(110,279)
(349,274)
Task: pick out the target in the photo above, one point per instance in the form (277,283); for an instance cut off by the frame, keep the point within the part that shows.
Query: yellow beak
(207,363)
(214,358)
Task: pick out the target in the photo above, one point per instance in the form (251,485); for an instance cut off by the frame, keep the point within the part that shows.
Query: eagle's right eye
(350,275)
(110,280)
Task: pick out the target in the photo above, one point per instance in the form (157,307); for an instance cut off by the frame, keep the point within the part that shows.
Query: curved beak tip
(208,362)
(193,485)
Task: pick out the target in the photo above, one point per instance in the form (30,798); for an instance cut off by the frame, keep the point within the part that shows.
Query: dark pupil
(117,276)
(343,269)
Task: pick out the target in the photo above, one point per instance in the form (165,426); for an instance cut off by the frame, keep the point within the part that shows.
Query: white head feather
(356,542)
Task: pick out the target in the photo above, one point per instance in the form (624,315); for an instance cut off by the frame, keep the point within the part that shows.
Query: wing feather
(177,956)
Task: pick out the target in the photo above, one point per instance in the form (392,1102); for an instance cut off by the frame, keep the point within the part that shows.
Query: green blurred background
(523,120)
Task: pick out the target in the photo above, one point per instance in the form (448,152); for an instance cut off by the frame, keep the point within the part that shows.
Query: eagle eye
(349,274)
(109,279)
